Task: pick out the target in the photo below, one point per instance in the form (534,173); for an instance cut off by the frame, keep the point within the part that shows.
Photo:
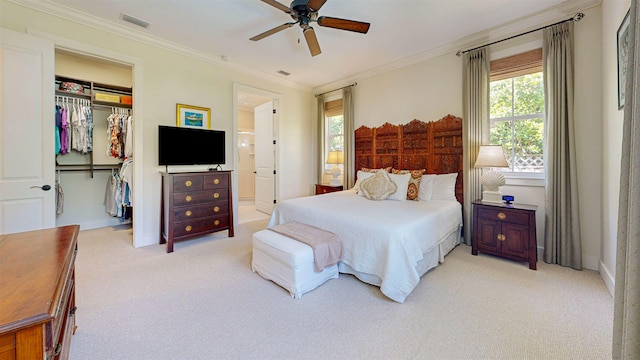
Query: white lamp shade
(335,157)
(491,156)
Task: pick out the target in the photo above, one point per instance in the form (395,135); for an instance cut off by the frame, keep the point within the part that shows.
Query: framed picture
(193,116)
(623,55)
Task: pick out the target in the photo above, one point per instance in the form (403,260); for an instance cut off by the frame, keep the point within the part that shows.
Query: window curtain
(562,244)
(349,138)
(320,138)
(626,317)
(476,126)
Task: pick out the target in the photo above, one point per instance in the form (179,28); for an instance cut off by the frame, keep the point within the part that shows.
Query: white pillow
(402,182)
(426,187)
(361,176)
(444,187)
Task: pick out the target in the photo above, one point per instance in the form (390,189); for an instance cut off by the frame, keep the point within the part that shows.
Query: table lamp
(491,156)
(335,157)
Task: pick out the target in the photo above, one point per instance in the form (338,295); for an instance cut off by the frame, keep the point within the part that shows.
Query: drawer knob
(502,216)
(216,209)
(188,183)
(501,237)
(188,228)
(216,195)
(216,223)
(188,198)
(188,213)
(216,181)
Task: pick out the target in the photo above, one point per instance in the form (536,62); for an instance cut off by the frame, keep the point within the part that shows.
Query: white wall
(246,158)
(169,78)
(432,89)
(613,11)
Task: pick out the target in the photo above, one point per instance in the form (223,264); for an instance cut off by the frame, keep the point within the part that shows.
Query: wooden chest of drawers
(508,231)
(37,293)
(194,204)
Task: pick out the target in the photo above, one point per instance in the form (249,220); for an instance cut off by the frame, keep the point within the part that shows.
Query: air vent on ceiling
(134,21)
(283,73)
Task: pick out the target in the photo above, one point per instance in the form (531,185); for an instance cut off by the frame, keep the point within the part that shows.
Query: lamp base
(492,196)
(335,182)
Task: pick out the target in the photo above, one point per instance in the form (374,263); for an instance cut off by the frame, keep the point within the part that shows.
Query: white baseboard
(609,280)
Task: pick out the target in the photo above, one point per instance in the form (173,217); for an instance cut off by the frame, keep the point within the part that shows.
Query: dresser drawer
(8,346)
(187,213)
(188,183)
(189,228)
(504,215)
(214,181)
(200,197)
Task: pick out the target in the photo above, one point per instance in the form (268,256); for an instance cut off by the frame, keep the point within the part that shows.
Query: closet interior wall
(84,177)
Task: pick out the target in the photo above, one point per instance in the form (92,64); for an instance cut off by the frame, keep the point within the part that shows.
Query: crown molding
(70,14)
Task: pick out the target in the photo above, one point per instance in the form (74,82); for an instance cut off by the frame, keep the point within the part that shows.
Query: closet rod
(577,17)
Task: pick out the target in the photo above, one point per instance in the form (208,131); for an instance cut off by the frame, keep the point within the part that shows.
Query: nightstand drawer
(504,215)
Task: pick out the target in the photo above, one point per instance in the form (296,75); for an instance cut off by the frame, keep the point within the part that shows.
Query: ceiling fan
(305,12)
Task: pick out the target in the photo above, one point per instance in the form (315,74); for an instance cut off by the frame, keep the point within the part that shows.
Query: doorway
(255,163)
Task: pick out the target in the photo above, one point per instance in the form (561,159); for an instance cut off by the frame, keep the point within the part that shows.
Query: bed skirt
(430,259)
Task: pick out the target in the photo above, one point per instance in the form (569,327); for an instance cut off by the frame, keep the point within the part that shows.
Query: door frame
(238,88)
(91,51)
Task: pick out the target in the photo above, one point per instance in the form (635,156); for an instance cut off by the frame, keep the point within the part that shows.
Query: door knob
(43,187)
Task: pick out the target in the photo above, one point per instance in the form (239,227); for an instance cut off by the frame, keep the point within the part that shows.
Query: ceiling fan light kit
(306,11)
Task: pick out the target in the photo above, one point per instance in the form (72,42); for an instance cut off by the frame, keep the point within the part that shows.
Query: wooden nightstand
(323,189)
(503,230)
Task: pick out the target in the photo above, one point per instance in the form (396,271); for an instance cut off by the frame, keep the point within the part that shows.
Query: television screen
(189,146)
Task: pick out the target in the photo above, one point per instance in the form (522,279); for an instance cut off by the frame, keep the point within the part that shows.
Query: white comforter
(383,238)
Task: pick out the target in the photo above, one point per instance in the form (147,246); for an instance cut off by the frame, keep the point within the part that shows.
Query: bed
(392,243)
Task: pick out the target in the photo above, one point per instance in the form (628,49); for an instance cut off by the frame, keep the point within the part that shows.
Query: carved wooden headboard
(434,146)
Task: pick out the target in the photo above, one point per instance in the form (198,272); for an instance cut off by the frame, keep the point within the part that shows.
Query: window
(334,136)
(517,110)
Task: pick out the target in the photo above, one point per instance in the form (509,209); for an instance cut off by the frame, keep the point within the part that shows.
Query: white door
(27,163)
(264,157)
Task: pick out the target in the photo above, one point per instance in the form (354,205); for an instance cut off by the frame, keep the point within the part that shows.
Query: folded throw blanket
(327,246)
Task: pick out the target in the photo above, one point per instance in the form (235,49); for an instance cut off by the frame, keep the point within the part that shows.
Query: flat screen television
(190,146)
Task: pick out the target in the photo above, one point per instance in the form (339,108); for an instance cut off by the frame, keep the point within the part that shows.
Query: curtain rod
(326,92)
(577,17)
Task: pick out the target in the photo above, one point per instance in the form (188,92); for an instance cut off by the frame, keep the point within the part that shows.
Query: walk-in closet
(94,141)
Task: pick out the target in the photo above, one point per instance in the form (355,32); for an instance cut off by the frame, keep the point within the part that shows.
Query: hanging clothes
(59,196)
(119,134)
(74,125)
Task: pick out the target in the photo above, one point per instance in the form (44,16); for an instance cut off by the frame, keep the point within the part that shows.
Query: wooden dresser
(194,204)
(507,231)
(37,293)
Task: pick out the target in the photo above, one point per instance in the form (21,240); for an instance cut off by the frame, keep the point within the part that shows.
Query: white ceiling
(400,30)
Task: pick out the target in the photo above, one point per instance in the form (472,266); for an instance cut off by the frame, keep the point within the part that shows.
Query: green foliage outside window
(517,110)
(335,137)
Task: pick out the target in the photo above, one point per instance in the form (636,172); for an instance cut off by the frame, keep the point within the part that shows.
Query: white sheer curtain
(476,126)
(349,138)
(320,128)
(626,320)
(562,243)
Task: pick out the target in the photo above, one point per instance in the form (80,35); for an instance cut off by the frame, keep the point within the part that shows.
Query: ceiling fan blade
(343,24)
(312,41)
(272,31)
(315,5)
(277,5)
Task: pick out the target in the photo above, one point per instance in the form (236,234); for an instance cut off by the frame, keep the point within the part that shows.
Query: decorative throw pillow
(360,177)
(444,187)
(378,187)
(426,187)
(414,181)
(387,169)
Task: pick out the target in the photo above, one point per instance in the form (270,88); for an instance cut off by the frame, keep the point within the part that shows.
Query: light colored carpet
(203,302)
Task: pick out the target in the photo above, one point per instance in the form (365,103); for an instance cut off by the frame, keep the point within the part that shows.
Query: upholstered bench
(288,262)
